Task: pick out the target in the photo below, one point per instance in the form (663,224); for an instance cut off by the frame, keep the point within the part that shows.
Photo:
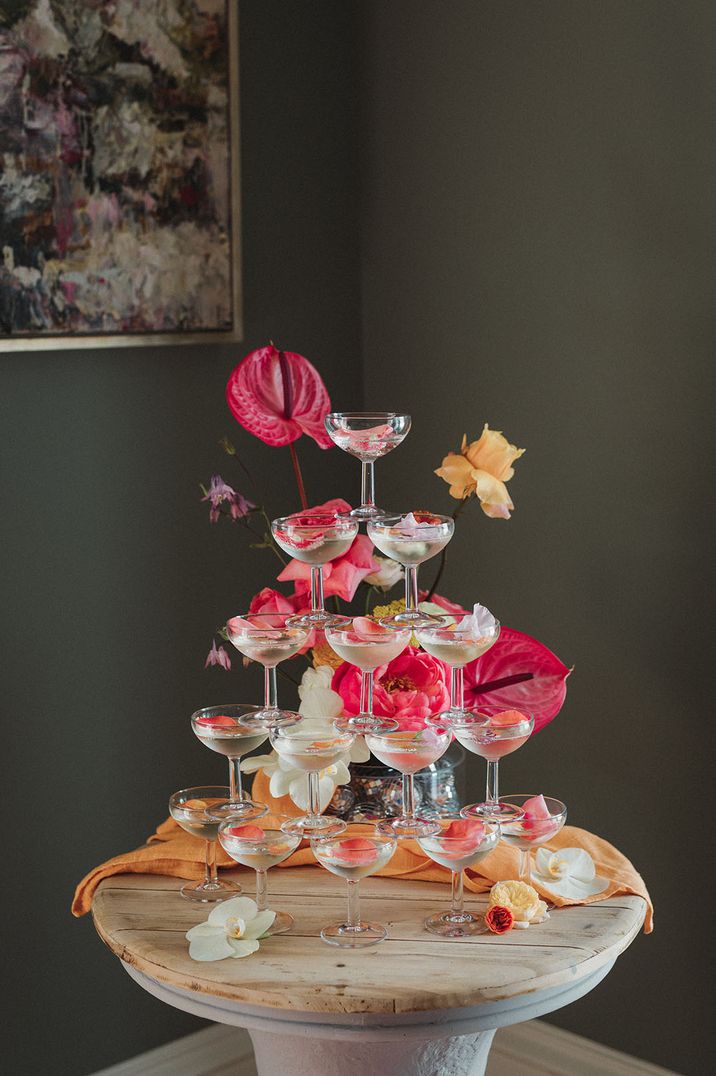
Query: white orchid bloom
(569,873)
(388,573)
(232,929)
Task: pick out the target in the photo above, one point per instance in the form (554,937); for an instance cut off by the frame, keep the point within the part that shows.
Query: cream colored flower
(482,467)
(232,929)
(570,873)
(386,575)
(522,900)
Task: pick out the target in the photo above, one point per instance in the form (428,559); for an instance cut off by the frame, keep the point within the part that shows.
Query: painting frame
(70,341)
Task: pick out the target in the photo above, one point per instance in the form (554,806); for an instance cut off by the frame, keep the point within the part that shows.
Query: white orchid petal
(321,704)
(259,925)
(341,774)
(298,790)
(206,930)
(326,789)
(210,947)
(359,752)
(241,947)
(267,763)
(280,782)
(238,908)
(580,864)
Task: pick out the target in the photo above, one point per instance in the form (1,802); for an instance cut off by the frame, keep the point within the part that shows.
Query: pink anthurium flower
(277,396)
(517,673)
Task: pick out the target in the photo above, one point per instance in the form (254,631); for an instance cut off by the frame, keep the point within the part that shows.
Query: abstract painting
(118,172)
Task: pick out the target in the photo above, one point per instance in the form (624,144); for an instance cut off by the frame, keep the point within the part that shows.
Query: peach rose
(482,467)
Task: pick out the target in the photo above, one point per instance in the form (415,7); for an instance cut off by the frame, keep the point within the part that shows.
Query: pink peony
(342,575)
(409,688)
(277,396)
(519,673)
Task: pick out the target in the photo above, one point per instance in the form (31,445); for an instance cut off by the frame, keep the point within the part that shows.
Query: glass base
(243,810)
(493,812)
(367,511)
(409,828)
(273,719)
(457,719)
(362,723)
(456,924)
(347,937)
(211,893)
(281,923)
(320,620)
(319,826)
(412,619)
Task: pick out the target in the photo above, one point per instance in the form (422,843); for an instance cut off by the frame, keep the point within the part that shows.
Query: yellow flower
(324,654)
(381,611)
(522,900)
(482,467)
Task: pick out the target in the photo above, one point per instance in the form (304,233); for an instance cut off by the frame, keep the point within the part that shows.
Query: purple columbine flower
(219,492)
(218,656)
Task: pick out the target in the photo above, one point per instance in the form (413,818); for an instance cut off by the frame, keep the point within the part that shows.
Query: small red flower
(499,919)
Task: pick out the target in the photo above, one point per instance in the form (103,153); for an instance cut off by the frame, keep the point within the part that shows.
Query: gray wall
(115,582)
(538,252)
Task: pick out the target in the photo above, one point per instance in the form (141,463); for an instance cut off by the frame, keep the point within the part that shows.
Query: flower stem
(443,555)
(299,476)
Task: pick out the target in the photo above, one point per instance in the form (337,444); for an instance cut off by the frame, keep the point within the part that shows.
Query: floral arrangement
(279,397)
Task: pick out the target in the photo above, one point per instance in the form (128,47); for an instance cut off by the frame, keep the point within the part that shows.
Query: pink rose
(444,603)
(342,575)
(409,688)
(272,601)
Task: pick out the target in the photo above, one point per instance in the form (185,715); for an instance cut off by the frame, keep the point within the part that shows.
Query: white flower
(569,873)
(319,706)
(388,574)
(232,929)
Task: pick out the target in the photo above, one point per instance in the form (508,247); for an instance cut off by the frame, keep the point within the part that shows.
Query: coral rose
(499,919)
(409,688)
(482,467)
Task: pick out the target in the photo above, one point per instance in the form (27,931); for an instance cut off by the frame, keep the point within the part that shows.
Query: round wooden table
(416,1005)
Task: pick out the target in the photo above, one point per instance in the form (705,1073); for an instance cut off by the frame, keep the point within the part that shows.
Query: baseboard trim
(534,1048)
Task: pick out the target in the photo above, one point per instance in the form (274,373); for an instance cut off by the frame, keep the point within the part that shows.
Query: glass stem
(411,587)
(262,890)
(408,796)
(491,793)
(367,484)
(314,795)
(270,688)
(366,692)
(525,866)
(458,906)
(353,903)
(211,862)
(316,588)
(207,863)
(457,689)
(236,793)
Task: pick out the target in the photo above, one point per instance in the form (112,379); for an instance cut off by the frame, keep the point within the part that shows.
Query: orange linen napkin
(170,851)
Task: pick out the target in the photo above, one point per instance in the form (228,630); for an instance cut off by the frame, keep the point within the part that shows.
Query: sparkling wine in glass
(269,639)
(261,845)
(367,436)
(311,750)
(315,538)
(367,645)
(192,809)
(364,852)
(410,540)
(500,735)
(408,752)
(542,817)
(458,641)
(460,844)
(228,730)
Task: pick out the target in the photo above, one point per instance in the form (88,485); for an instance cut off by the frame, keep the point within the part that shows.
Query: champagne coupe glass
(268,639)
(315,538)
(411,539)
(261,846)
(354,858)
(191,808)
(227,730)
(368,436)
(542,818)
(457,643)
(311,750)
(409,752)
(500,735)
(458,845)
(367,645)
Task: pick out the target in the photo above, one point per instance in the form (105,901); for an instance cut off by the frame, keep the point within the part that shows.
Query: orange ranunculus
(499,919)
(482,467)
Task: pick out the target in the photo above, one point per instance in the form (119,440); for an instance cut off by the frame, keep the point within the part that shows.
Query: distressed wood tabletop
(143,920)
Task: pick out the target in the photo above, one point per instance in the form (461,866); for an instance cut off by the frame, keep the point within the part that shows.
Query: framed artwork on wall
(119,173)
